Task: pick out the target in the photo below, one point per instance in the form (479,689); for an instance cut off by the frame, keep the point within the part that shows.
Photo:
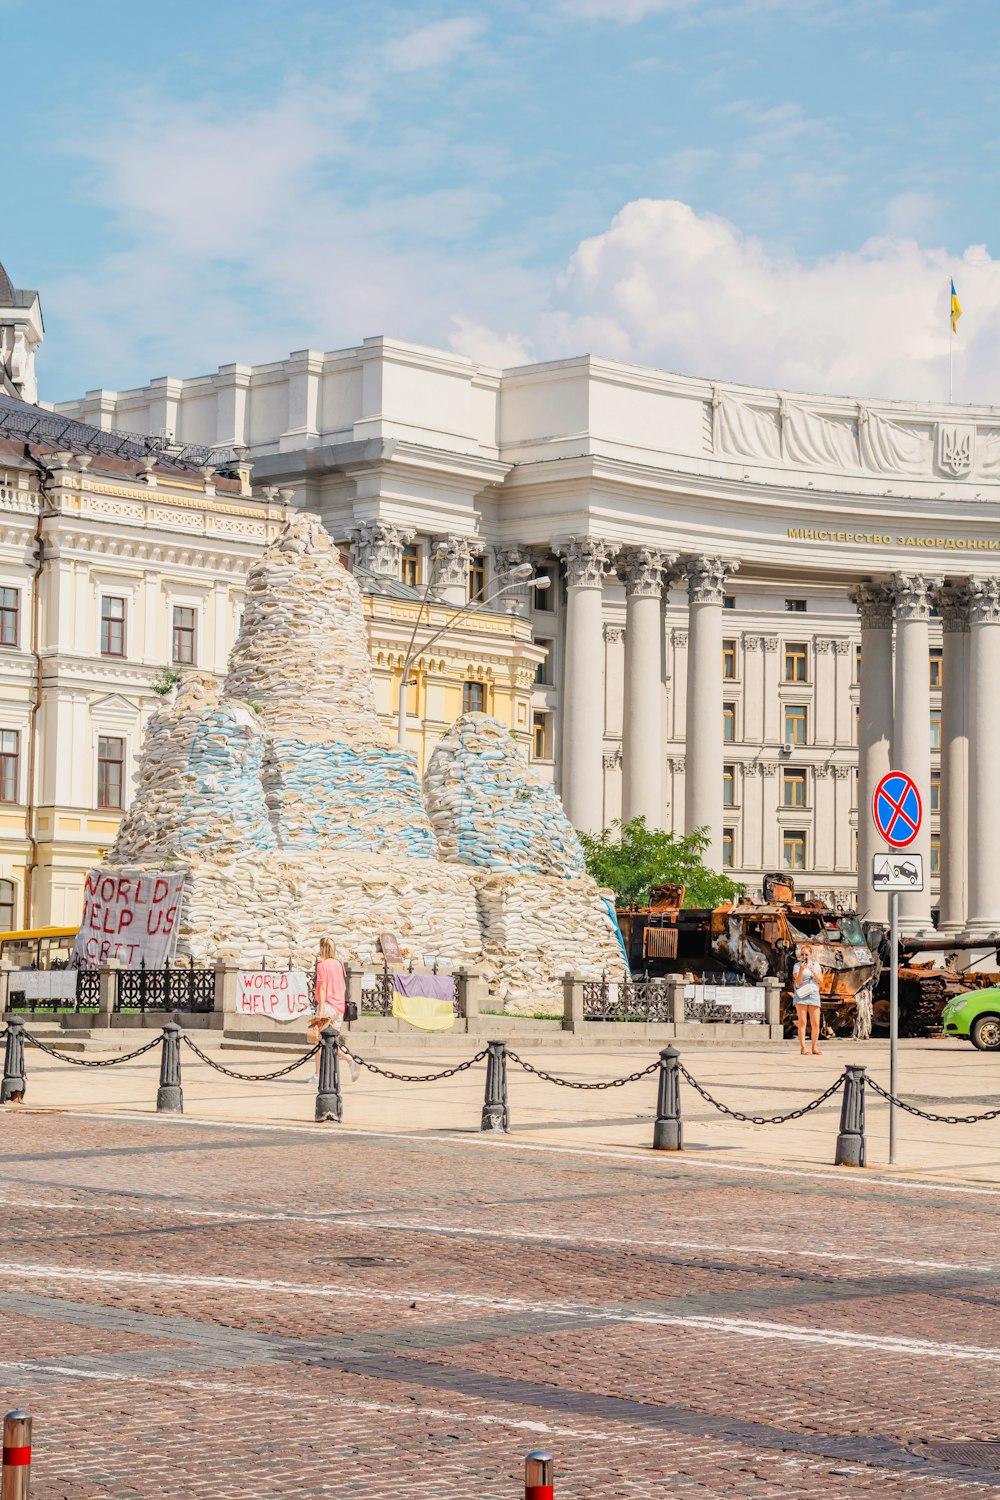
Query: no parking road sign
(897,809)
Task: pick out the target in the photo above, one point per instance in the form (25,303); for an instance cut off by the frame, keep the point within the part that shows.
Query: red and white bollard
(16,1455)
(537,1477)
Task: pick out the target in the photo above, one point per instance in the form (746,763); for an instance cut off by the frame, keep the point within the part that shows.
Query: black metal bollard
(851,1138)
(14,1083)
(668,1132)
(170,1096)
(496,1115)
(329,1104)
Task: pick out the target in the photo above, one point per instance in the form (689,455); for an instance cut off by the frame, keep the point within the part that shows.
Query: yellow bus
(37,948)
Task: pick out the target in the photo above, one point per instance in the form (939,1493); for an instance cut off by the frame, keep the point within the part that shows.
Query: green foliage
(166,680)
(631,858)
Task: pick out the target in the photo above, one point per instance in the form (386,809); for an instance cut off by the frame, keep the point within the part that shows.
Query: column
(378,547)
(703,782)
(874,603)
(911,726)
(586,560)
(984,763)
(519,600)
(641,570)
(953,605)
(451,556)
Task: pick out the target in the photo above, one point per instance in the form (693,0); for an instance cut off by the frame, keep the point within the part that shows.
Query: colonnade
(894,715)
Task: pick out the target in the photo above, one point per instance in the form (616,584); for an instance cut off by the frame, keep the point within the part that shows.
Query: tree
(631,858)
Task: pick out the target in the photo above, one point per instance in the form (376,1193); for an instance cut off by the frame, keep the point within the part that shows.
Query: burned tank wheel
(985,1033)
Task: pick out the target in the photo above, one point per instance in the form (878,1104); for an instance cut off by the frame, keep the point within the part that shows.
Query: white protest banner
(283,996)
(131,916)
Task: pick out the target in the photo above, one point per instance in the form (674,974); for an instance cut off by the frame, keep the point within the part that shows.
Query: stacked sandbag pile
(331,773)
(290,809)
(540,913)
(198,787)
(488,808)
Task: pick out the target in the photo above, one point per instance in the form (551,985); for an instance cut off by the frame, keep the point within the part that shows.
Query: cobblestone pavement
(200,1309)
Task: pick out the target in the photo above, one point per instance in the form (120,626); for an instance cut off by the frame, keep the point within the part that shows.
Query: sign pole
(893,1018)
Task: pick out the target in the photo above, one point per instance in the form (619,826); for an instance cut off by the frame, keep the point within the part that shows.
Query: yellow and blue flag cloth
(956,308)
(424,1000)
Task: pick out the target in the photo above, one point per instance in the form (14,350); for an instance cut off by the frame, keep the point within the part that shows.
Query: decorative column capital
(874,604)
(823,645)
(984,601)
(614,634)
(911,594)
(450,557)
(612,759)
(706,578)
(642,569)
(586,559)
(679,638)
(378,546)
(953,598)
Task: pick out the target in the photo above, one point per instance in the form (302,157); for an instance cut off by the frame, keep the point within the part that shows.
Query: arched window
(8,896)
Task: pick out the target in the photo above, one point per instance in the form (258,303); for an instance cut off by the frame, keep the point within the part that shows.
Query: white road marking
(624,1155)
(594,1313)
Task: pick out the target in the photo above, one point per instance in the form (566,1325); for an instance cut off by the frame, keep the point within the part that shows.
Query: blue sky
(765,190)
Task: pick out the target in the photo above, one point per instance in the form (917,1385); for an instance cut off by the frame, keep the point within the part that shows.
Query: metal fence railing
(643,998)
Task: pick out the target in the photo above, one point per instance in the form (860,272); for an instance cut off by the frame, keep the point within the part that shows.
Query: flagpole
(951,349)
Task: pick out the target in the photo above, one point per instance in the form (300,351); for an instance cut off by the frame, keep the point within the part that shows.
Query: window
(729,786)
(729,659)
(545,599)
(10,610)
(729,722)
(409,570)
(112,627)
(477,577)
(934,667)
(184,635)
(793,849)
(793,788)
(541,736)
(857,664)
(857,723)
(7,895)
(795,606)
(728,601)
(543,672)
(796,660)
(935,730)
(728,848)
(110,769)
(473,698)
(9,758)
(936,792)
(935,856)
(795,723)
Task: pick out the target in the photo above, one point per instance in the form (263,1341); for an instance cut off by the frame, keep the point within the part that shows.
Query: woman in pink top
(331,998)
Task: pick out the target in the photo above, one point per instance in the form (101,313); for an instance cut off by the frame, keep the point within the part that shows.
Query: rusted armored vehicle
(744,942)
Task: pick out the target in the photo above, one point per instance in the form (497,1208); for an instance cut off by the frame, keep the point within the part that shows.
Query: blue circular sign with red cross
(897,809)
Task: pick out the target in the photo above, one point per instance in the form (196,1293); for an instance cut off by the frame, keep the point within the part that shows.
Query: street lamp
(518,576)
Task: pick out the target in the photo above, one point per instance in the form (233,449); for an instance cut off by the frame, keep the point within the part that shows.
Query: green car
(977,1016)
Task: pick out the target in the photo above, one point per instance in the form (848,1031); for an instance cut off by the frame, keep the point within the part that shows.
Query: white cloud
(668,287)
(432,46)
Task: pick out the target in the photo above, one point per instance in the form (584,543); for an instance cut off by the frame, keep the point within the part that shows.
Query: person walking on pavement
(331,1000)
(806,977)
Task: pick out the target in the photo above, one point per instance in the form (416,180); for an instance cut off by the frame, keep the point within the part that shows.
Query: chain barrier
(793,1114)
(925,1114)
(569,1083)
(90,1062)
(248,1077)
(418,1077)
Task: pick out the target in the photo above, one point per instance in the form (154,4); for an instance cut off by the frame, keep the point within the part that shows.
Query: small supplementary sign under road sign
(897,809)
(898,872)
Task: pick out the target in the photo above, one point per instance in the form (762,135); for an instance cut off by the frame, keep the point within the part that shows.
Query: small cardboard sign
(282,996)
(130,917)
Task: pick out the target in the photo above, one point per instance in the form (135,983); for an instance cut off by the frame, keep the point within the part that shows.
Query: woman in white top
(806,978)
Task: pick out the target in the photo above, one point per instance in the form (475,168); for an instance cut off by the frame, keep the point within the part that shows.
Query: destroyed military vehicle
(746,941)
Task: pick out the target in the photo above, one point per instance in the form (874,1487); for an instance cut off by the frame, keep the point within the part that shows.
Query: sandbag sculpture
(292,813)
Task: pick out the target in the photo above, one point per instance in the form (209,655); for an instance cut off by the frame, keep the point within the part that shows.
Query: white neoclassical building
(761,600)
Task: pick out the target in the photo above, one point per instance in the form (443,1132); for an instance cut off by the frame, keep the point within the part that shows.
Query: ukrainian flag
(956,309)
